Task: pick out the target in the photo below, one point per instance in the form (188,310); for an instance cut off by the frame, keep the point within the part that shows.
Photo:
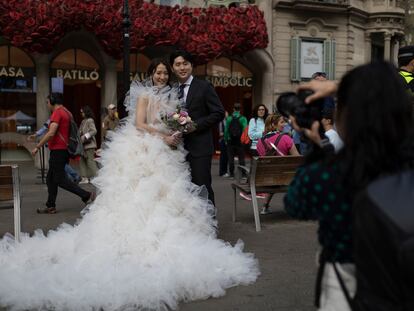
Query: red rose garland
(38,26)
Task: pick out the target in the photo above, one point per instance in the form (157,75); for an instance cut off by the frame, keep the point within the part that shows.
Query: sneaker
(265,210)
(84,181)
(225,175)
(261,195)
(78,180)
(46,210)
(246,196)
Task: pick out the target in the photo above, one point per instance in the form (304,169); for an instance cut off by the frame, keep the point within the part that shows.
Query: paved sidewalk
(285,247)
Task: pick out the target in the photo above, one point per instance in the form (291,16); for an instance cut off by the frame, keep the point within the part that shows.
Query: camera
(293,104)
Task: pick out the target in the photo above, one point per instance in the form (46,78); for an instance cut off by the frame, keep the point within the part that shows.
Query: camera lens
(287,104)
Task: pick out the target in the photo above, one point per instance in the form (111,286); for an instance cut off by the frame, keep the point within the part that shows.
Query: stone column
(367,47)
(110,83)
(43,89)
(387,46)
(395,48)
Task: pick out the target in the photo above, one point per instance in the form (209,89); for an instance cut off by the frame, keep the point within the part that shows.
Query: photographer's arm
(321,89)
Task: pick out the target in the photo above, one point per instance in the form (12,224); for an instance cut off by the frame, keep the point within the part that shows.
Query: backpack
(75,146)
(383,235)
(244,138)
(270,151)
(235,130)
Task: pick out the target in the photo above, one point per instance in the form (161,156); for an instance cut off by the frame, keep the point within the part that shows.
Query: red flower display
(37,26)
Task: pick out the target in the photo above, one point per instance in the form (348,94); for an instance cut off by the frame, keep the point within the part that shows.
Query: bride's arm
(141,123)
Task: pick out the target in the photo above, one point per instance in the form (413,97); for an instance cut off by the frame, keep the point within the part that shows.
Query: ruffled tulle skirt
(147,242)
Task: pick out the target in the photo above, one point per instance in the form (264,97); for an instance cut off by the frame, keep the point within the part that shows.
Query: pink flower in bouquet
(182,120)
(183,114)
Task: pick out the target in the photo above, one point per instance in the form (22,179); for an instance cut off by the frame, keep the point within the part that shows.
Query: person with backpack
(58,137)
(233,130)
(70,171)
(275,142)
(377,130)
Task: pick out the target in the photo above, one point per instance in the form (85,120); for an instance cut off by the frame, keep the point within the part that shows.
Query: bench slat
(5,170)
(6,193)
(6,180)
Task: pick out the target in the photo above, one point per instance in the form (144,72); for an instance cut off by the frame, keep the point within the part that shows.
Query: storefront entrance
(76,74)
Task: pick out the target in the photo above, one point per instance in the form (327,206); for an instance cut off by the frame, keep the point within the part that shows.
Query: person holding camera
(376,128)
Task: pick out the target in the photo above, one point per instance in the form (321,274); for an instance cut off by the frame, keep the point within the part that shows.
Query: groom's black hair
(184,54)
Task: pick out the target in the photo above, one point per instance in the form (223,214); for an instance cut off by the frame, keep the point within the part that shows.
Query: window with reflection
(77,75)
(17,92)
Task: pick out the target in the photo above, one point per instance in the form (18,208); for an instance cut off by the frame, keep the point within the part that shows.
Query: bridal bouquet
(179,121)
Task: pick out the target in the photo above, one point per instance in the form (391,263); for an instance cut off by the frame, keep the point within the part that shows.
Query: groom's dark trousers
(204,107)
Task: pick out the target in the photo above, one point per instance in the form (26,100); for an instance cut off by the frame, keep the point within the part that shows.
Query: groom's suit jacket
(205,109)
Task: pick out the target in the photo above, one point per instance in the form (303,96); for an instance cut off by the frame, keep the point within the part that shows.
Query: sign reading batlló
(226,81)
(76,74)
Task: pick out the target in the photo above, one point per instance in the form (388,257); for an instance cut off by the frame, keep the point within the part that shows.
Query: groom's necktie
(181,92)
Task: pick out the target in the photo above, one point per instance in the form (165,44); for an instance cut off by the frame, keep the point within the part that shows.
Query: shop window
(309,56)
(17,92)
(219,67)
(170,2)
(76,74)
(138,65)
(74,59)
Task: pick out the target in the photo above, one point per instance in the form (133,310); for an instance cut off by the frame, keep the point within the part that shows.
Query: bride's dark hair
(153,67)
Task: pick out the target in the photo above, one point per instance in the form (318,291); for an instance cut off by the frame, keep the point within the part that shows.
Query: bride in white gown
(148,240)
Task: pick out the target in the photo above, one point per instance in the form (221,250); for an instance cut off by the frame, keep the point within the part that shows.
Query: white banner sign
(311,58)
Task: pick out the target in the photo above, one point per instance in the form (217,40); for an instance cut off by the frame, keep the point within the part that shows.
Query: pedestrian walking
(70,171)
(57,138)
(87,133)
(233,130)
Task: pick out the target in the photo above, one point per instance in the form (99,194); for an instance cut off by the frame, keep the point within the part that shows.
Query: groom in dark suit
(204,107)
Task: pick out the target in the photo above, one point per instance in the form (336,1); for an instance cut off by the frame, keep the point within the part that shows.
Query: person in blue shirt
(257,126)
(72,174)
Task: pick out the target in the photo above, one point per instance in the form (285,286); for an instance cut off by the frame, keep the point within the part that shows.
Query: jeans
(56,177)
(72,174)
(224,160)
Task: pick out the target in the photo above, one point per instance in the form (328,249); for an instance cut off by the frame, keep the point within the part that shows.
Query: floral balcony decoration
(38,26)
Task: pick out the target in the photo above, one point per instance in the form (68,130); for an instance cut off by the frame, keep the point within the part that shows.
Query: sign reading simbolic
(226,81)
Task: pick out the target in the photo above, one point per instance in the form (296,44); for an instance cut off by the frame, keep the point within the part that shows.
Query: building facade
(305,36)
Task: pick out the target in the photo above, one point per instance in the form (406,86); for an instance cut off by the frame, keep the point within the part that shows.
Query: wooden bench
(267,175)
(10,193)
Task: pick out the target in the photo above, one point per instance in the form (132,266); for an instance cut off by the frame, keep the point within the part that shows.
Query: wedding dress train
(146,243)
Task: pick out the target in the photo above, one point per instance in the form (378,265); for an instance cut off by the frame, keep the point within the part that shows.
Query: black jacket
(206,110)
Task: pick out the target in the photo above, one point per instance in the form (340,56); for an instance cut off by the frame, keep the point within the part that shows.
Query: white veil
(166,97)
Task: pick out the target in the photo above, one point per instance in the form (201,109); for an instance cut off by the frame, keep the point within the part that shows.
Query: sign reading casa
(77,74)
(11,72)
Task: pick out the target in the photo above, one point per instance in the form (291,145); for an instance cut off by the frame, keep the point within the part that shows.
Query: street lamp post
(126,24)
